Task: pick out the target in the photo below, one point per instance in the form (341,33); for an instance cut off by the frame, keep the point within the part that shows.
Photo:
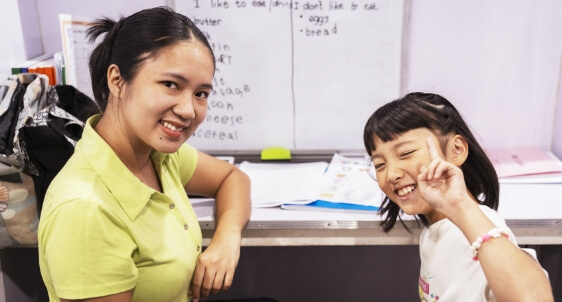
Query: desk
(365,252)
(532,211)
(277,242)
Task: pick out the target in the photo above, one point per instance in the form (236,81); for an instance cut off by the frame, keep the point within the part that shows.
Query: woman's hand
(216,265)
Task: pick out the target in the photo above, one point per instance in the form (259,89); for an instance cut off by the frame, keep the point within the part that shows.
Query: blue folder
(322,205)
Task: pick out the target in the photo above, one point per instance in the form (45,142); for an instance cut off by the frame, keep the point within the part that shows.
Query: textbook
(343,184)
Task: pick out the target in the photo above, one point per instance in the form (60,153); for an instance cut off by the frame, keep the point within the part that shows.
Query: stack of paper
(275,184)
(526,165)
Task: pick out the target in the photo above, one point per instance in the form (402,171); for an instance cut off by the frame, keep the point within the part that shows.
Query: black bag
(21,96)
(48,139)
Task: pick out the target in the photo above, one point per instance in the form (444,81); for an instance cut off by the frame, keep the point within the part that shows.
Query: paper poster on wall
(304,75)
(76,51)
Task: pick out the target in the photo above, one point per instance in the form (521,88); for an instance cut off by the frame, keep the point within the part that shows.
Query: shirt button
(198,248)
(185,226)
(172,206)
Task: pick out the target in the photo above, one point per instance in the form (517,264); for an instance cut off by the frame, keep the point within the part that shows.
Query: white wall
(20,40)
(49,11)
(11,39)
(498,61)
(31,28)
(557,135)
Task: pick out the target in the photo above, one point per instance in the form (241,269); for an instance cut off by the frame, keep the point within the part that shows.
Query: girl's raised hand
(441,183)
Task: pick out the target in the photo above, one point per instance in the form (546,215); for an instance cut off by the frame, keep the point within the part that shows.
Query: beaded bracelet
(493,233)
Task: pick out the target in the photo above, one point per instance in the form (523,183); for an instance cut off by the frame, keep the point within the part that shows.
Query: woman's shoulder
(77,188)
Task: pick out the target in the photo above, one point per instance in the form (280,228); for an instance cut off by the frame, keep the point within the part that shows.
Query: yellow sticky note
(276,153)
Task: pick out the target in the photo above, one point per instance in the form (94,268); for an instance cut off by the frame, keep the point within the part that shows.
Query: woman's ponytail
(101,56)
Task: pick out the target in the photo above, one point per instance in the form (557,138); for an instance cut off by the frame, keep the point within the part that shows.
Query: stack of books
(51,65)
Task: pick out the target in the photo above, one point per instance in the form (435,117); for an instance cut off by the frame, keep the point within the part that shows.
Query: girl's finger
(431,149)
(440,168)
(423,173)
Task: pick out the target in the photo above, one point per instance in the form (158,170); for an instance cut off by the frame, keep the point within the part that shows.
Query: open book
(346,187)
(342,185)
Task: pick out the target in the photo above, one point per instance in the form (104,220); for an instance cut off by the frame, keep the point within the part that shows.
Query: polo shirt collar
(131,194)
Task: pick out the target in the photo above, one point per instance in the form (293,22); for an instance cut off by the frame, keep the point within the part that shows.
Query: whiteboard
(303,75)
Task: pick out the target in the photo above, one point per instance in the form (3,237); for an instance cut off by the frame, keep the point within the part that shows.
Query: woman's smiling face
(167,100)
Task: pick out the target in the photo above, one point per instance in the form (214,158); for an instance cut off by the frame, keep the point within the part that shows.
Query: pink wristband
(493,233)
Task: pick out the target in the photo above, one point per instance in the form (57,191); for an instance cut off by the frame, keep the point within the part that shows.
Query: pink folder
(523,161)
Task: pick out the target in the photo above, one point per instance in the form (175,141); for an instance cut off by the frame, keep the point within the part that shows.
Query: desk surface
(532,211)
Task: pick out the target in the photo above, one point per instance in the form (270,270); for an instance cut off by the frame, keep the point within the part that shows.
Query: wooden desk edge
(317,233)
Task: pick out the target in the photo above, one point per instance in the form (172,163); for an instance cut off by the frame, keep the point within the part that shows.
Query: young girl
(428,163)
(117,224)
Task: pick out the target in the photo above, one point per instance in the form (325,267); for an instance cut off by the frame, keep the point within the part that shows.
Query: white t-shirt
(447,271)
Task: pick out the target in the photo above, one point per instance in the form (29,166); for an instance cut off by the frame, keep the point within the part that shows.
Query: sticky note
(276,153)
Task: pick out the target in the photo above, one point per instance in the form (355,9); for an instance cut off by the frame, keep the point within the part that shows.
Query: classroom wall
(21,38)
(557,135)
(498,62)
(49,11)
(12,37)
(31,28)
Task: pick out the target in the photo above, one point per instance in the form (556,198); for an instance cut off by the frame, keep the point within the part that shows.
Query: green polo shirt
(103,232)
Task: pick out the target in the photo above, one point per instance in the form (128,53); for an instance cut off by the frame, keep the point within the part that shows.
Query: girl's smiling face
(397,165)
(167,100)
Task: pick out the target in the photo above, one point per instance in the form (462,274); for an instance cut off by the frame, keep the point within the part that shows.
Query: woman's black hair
(131,40)
(437,114)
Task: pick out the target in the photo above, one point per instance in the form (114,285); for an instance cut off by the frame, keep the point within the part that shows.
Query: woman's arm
(231,189)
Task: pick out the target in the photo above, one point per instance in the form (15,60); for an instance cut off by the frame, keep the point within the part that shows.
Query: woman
(117,224)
